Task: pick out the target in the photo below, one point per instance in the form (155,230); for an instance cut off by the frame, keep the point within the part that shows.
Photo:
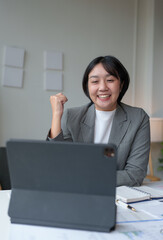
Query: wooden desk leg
(151,175)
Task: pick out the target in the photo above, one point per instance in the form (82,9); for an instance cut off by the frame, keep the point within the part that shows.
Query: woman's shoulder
(133,111)
(78,112)
(80,108)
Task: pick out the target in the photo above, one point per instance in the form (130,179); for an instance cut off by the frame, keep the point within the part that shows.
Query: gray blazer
(130,133)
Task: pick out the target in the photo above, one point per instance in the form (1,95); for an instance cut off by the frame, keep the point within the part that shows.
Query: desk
(135,230)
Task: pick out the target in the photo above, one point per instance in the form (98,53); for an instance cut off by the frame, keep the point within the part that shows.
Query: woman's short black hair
(114,67)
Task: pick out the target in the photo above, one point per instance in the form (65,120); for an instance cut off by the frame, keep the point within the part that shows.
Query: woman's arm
(57,104)
(137,161)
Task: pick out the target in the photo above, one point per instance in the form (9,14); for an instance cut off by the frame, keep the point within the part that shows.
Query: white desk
(130,229)
(4,218)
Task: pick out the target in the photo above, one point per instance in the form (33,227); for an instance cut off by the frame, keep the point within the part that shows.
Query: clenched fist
(57,103)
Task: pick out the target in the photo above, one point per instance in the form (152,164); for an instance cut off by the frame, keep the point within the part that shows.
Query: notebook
(154,193)
(63,184)
(135,194)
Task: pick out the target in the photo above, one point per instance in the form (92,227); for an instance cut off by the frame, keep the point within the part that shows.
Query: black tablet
(62,184)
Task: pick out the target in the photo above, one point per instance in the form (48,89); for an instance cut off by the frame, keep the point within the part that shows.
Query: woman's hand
(57,103)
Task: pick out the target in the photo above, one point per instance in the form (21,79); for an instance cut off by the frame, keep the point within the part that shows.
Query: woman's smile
(104,97)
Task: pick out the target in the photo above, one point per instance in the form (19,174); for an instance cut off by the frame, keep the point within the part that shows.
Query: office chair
(5,183)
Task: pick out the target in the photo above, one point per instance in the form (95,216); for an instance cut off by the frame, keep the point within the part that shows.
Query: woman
(106,119)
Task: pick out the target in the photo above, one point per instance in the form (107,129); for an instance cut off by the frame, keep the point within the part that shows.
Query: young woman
(106,119)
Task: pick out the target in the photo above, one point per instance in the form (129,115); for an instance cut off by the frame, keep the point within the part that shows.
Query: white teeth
(104,96)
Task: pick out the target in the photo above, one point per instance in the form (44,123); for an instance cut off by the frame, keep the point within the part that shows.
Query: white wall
(149,57)
(131,30)
(157,97)
(82,30)
(144,55)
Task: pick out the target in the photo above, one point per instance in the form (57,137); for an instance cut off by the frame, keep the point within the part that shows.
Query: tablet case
(60,184)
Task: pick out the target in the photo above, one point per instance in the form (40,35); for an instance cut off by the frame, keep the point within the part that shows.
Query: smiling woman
(106,119)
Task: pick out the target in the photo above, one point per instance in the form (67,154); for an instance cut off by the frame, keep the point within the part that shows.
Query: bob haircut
(114,67)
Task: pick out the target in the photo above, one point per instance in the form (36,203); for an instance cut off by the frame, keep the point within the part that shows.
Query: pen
(120,203)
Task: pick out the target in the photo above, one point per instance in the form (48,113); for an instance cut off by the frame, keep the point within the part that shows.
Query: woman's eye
(95,81)
(110,80)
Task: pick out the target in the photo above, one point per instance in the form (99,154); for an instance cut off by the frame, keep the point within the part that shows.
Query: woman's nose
(103,85)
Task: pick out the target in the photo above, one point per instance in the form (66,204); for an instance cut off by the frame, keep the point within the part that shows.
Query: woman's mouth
(104,97)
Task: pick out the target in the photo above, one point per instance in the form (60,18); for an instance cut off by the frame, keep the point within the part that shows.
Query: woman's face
(104,89)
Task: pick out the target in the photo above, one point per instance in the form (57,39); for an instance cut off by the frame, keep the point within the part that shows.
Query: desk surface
(4,218)
(150,228)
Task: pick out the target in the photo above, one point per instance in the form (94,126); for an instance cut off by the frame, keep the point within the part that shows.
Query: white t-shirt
(103,124)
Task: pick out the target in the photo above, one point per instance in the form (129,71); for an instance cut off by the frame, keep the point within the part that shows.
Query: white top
(103,124)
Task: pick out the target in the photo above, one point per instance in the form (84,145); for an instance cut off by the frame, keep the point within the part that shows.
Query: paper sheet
(53,60)
(14,57)
(155,193)
(13,77)
(126,215)
(53,80)
(154,208)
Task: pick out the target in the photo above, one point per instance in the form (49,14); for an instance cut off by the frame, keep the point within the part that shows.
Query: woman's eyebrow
(96,76)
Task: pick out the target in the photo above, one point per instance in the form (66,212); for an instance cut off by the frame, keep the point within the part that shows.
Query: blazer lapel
(119,126)
(87,125)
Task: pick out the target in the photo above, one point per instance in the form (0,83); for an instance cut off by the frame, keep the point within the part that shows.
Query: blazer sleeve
(64,135)
(135,168)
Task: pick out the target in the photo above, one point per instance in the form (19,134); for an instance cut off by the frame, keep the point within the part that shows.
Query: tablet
(62,184)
